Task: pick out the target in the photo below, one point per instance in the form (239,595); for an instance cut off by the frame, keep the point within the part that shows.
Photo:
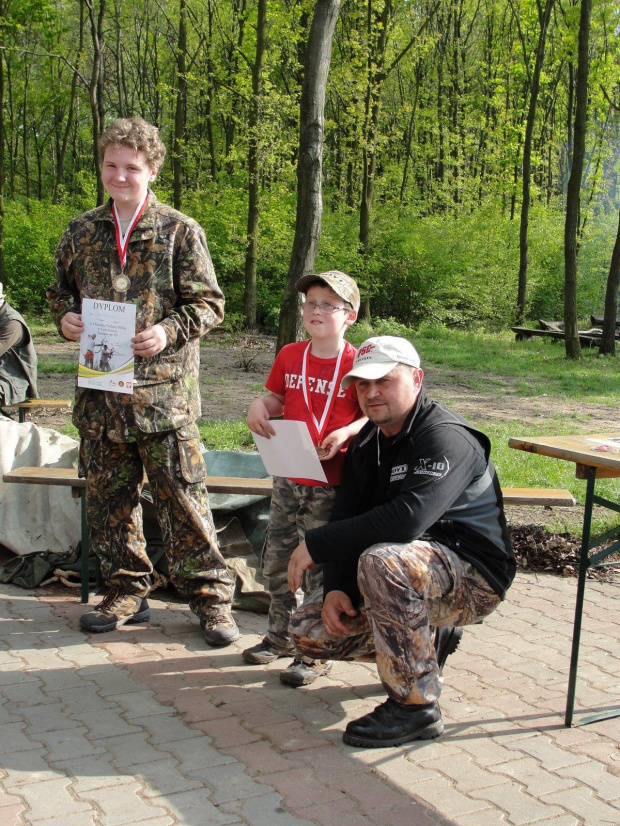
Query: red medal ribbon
(321,426)
(122,241)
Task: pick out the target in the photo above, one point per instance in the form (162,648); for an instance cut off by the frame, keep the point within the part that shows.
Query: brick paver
(148,726)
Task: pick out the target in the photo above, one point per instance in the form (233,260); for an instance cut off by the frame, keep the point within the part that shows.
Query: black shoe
(392,724)
(446,642)
(220,630)
(114,611)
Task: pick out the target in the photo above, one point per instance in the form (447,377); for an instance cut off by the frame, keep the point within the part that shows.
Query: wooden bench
(68,477)
(33,404)
(538,496)
(588,338)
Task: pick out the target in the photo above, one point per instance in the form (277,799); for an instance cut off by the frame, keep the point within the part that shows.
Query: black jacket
(434,480)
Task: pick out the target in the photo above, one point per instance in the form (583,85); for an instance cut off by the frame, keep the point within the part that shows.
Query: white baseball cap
(377,356)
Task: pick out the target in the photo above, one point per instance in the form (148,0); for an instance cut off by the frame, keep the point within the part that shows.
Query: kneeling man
(416,547)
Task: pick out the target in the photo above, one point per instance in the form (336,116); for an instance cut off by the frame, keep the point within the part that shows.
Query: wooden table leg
(85,542)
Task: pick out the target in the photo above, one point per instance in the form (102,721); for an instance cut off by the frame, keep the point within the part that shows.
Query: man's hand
(336,603)
(72,326)
(299,562)
(149,342)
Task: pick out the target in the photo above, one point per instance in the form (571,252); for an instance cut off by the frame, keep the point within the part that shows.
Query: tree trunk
(375,77)
(180,112)
(251,251)
(96,86)
(571,225)
(527,161)
(2,137)
(309,163)
(608,339)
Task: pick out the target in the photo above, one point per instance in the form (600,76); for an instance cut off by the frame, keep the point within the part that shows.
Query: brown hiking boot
(219,629)
(304,672)
(114,611)
(265,652)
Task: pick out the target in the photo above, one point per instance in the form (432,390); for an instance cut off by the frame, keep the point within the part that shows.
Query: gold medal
(120,283)
(322,452)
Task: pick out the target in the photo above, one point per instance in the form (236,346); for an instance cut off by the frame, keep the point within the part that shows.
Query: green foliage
(31,239)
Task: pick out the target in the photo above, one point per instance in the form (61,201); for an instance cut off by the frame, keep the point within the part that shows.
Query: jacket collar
(145,226)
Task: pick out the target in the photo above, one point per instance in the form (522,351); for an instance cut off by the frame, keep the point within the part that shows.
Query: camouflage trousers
(407,590)
(294,510)
(175,468)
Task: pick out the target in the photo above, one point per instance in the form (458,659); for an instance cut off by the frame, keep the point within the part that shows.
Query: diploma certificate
(106,359)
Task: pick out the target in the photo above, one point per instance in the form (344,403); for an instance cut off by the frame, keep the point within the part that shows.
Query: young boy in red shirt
(304,385)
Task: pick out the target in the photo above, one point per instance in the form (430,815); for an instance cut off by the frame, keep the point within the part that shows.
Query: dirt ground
(233,371)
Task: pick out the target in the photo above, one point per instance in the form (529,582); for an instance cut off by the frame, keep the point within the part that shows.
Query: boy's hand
(299,562)
(334,442)
(149,342)
(258,419)
(336,603)
(72,326)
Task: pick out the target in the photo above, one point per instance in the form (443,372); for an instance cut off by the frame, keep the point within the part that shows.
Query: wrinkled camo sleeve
(201,302)
(63,295)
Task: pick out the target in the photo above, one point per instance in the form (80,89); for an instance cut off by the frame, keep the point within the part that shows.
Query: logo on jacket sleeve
(399,472)
(432,467)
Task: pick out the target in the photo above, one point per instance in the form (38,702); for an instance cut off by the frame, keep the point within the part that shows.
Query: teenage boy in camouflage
(304,384)
(134,249)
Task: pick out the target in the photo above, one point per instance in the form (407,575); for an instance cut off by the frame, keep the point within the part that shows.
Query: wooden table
(591,464)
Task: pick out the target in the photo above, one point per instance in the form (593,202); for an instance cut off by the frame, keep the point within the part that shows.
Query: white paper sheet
(290,452)
(106,358)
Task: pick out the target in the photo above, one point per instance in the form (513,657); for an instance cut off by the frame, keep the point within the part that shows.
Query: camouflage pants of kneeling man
(408,590)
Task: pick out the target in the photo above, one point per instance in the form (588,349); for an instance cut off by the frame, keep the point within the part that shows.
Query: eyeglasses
(328,309)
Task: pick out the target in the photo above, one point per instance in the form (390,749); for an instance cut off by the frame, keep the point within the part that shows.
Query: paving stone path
(147,726)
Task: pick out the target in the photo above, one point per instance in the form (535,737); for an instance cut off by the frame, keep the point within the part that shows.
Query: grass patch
(49,364)
(70,430)
(42,326)
(534,368)
(226,435)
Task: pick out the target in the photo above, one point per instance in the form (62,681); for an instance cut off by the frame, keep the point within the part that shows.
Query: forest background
(430,107)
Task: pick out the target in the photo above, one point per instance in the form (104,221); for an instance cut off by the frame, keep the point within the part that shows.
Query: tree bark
(608,339)
(180,112)
(2,139)
(95,91)
(309,164)
(571,225)
(527,160)
(251,251)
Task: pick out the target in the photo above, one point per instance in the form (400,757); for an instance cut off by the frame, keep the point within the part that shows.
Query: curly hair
(138,135)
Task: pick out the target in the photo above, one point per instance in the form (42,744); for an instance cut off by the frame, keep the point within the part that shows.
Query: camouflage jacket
(172,283)
(18,364)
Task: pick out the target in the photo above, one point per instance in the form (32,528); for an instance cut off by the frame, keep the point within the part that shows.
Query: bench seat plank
(538,496)
(263,487)
(68,477)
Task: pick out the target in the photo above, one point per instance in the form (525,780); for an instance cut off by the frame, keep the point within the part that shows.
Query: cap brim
(368,371)
(302,285)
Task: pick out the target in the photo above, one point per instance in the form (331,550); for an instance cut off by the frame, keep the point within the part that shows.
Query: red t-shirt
(285,380)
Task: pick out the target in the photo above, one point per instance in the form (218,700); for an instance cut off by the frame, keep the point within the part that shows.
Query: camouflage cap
(341,283)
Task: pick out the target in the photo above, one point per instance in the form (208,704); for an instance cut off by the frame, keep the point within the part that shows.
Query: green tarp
(241,522)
